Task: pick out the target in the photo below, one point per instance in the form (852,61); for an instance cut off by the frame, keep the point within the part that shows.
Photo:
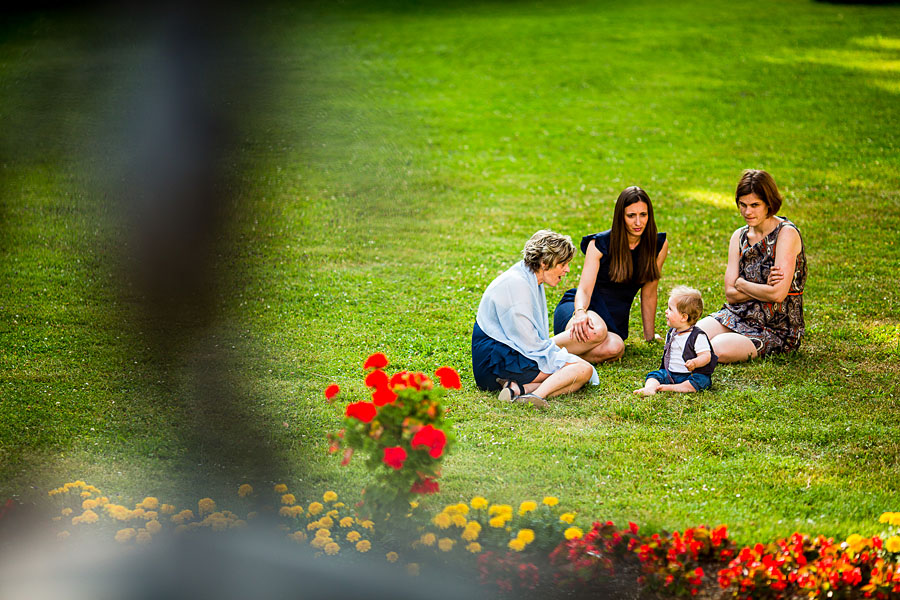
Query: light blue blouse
(513,310)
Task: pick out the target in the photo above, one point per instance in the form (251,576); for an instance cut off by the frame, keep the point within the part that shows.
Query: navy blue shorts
(492,359)
(698,380)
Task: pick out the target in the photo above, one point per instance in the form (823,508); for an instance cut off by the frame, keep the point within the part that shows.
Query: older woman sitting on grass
(511,346)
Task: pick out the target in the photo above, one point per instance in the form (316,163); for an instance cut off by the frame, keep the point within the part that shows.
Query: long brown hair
(620,253)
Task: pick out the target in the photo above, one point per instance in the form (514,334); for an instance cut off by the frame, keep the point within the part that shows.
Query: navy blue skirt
(492,359)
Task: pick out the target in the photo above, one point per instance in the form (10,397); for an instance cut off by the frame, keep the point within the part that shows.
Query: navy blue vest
(689,353)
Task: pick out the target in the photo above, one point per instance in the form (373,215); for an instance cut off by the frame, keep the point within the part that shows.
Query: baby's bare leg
(684,387)
(650,387)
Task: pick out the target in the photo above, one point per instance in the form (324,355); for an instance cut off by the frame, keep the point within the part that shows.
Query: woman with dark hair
(591,320)
(764,279)
(511,347)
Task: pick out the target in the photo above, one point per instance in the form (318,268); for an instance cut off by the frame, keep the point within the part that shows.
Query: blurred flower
(326,522)
(893,544)
(383,395)
(527,507)
(377,379)
(285,511)
(346,522)
(573,533)
(498,521)
(143,537)
(298,536)
(153,527)
(412,569)
(526,535)
(329,496)
(245,490)
(124,535)
(353,536)
(392,556)
(446,544)
(551,500)
(288,499)
(567,518)
(331,391)
(517,545)
(377,360)
(478,502)
(448,378)
(296,511)
(315,508)
(280,488)
(206,505)
(364,546)
(394,457)
(66,512)
(442,520)
(474,547)
(367,524)
(500,509)
(364,411)
(149,503)
(425,485)
(89,504)
(428,539)
(431,438)
(323,533)
(458,520)
(167,509)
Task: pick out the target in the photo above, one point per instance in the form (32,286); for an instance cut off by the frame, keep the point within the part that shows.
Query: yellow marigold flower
(280,488)
(183,516)
(567,518)
(153,527)
(68,486)
(412,569)
(103,501)
(89,504)
(458,520)
(474,525)
(392,557)
(296,510)
(76,520)
(143,537)
(149,503)
(285,511)
(79,483)
(329,496)
(137,512)
(206,505)
(346,522)
(118,512)
(89,516)
(323,533)
(573,533)
(550,500)
(315,508)
(62,535)
(353,536)
(462,508)
(446,544)
(885,517)
(516,544)
(245,490)
(442,520)
(298,536)
(469,534)
(124,535)
(363,546)
(85,494)
(854,539)
(326,522)
(500,509)
(478,503)
(319,542)
(288,499)
(412,504)
(332,514)
(893,544)
(474,547)
(498,521)
(526,535)
(428,539)
(527,507)
(895,519)
(66,511)
(367,524)
(150,515)
(312,525)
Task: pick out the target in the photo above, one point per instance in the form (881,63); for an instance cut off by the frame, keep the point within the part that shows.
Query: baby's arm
(702,359)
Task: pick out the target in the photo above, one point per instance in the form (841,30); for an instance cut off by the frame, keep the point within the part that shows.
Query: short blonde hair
(546,249)
(688,301)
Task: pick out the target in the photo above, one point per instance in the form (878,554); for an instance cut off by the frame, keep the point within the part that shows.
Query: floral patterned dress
(772,326)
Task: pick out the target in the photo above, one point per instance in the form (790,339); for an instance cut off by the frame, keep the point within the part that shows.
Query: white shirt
(676,353)
(513,311)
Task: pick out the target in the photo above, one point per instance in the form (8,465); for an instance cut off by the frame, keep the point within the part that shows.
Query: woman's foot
(535,401)
(509,392)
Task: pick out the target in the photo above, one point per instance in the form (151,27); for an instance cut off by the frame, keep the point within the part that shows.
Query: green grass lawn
(393,161)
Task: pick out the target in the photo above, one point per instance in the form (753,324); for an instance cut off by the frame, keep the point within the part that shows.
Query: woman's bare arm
(787,247)
(650,297)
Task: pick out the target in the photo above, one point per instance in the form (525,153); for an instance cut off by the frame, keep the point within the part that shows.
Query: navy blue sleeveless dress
(611,300)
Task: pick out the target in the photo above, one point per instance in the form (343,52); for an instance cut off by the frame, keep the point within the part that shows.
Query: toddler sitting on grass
(688,360)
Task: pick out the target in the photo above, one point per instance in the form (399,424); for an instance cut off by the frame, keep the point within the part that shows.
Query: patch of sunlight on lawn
(715,199)
(877,42)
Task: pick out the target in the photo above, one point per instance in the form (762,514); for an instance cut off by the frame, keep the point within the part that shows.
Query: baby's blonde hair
(688,301)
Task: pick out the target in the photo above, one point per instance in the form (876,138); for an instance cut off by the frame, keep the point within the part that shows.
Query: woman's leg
(568,379)
(729,346)
(602,345)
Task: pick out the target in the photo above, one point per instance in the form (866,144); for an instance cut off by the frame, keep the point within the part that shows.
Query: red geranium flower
(448,378)
(425,485)
(394,457)
(383,395)
(399,379)
(377,360)
(431,438)
(377,379)
(364,411)
(331,391)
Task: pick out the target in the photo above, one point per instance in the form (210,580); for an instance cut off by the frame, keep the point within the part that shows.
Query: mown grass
(395,160)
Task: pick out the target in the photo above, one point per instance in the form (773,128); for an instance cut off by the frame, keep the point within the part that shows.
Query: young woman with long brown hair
(591,320)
